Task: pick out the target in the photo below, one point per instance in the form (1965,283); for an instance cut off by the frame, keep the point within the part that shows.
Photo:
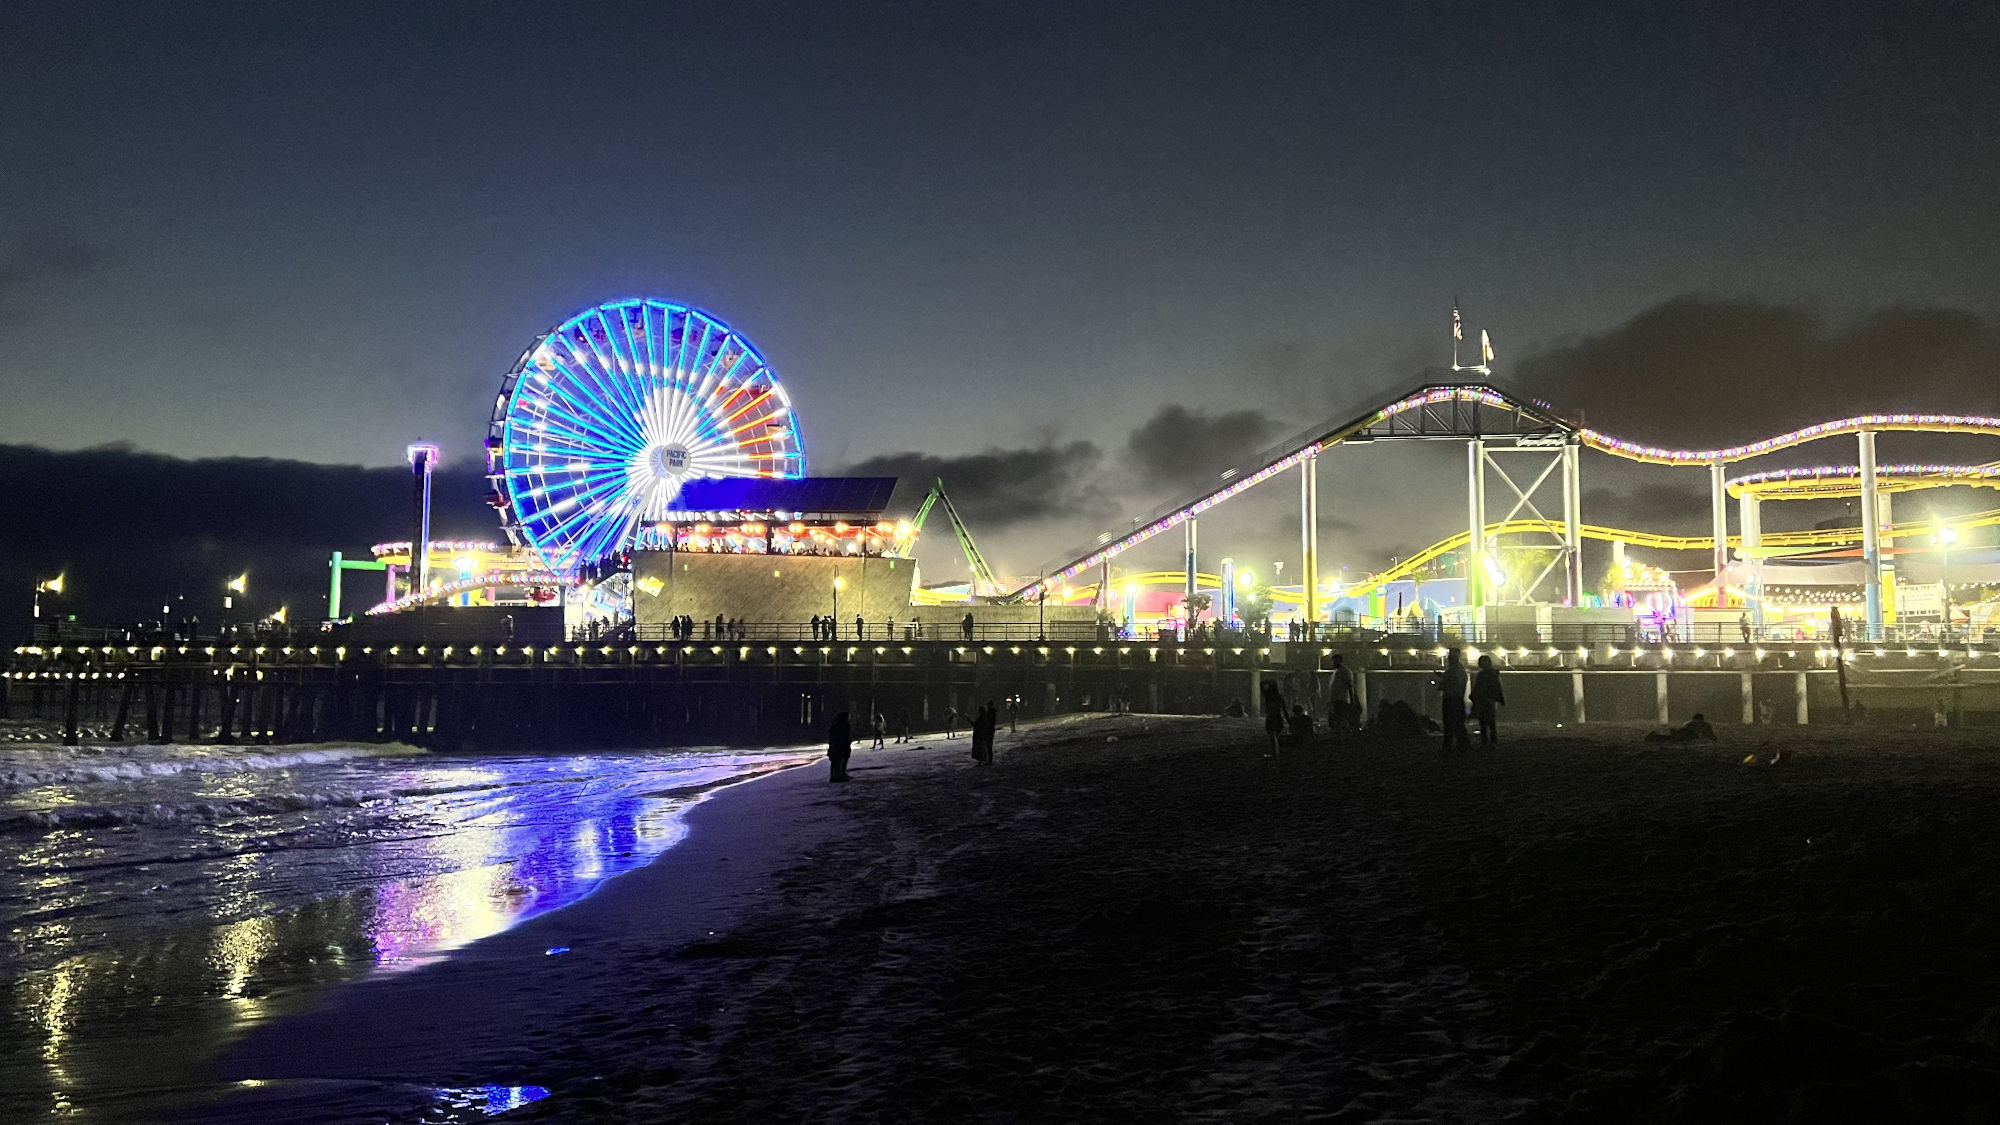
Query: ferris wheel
(607,414)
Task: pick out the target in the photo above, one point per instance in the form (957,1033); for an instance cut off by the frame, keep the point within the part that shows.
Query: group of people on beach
(1477,695)
(840,735)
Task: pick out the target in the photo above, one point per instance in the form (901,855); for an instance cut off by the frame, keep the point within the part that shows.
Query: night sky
(1074,257)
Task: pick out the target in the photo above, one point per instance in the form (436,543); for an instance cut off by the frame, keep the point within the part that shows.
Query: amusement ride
(618,429)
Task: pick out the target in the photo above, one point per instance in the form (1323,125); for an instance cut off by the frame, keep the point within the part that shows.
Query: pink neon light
(1966,423)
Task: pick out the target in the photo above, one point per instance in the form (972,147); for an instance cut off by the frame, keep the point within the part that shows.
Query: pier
(769,689)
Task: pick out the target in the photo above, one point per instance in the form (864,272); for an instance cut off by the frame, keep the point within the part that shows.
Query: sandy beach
(1134,917)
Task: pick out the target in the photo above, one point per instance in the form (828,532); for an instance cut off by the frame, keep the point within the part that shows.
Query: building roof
(830,495)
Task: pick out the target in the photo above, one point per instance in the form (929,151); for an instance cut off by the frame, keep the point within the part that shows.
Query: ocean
(159,901)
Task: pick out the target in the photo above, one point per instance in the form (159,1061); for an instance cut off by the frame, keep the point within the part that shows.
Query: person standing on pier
(860,628)
(1487,699)
(1453,687)
(839,747)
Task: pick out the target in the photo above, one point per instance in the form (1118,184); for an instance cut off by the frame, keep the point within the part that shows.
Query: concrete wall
(767,588)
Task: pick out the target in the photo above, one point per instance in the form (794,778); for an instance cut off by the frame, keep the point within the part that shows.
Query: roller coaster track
(1779,542)
(1466,410)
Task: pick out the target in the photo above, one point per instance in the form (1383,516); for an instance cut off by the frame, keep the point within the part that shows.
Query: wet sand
(1138,918)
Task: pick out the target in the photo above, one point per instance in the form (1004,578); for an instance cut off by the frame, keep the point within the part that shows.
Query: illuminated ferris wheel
(605,416)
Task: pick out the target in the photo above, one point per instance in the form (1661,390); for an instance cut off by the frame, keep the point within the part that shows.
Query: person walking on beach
(839,747)
(1486,701)
(1273,703)
(1453,687)
(1344,709)
(881,728)
(951,722)
(903,725)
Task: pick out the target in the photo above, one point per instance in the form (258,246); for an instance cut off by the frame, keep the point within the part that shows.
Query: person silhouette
(839,747)
(1486,701)
(1452,688)
(1273,705)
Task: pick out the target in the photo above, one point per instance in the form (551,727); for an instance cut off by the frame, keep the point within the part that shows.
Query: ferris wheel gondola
(606,415)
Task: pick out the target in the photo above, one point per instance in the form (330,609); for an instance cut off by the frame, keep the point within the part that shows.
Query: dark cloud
(1178,448)
(1703,370)
(1663,508)
(44,255)
(130,528)
(998,488)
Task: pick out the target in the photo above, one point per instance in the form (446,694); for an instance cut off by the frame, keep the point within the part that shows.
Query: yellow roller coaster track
(1775,543)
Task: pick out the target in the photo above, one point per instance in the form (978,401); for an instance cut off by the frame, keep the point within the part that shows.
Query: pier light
(1910,652)
(1698,654)
(473,650)
(1880,652)
(446,653)
(422,650)
(340,653)
(210,650)
(394,650)
(1610,651)
(1237,651)
(773,650)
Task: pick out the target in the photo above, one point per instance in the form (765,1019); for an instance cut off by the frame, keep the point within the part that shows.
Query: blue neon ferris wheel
(607,414)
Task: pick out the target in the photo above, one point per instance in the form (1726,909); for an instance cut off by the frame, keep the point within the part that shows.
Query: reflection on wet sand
(117,1034)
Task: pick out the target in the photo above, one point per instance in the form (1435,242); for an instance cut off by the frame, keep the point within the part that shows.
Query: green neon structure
(338,566)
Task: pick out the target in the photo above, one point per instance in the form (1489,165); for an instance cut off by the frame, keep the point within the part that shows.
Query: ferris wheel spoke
(688,407)
(629,384)
(594,411)
(613,385)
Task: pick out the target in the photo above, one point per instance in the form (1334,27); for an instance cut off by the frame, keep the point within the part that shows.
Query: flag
(1486,345)
(1457,327)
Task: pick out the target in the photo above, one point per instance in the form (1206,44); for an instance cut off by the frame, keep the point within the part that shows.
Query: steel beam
(1475,522)
(1871,535)
(1573,523)
(1309,534)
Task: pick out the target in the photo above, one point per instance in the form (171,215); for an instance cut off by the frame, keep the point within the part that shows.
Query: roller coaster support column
(1189,593)
(1871,535)
(1572,470)
(1475,505)
(1309,535)
(1750,515)
(1718,514)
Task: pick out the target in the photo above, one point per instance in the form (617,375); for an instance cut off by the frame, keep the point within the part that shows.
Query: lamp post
(237,585)
(50,586)
(1945,537)
(839,584)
